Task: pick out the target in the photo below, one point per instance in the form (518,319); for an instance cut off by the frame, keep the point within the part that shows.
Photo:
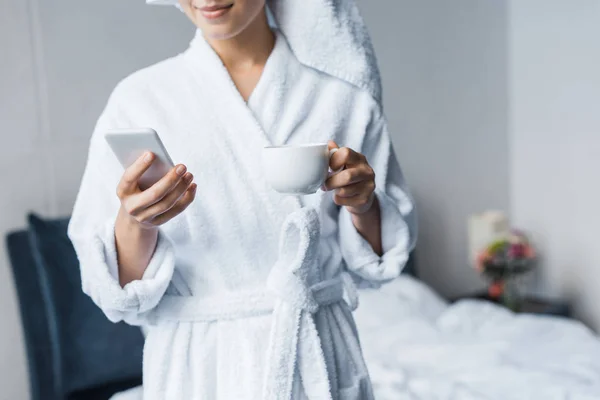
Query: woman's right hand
(160,203)
(142,211)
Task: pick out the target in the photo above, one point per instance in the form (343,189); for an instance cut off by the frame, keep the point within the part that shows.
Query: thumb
(336,164)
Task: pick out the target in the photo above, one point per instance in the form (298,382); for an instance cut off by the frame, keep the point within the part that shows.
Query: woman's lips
(214,12)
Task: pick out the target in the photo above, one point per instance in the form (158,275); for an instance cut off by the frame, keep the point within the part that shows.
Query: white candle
(484,228)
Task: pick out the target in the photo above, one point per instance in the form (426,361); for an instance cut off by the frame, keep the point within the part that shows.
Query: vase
(512,297)
(505,281)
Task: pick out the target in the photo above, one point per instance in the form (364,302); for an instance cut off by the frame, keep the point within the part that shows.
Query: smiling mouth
(214,11)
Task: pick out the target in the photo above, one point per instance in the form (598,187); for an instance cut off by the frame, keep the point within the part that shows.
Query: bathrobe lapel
(235,132)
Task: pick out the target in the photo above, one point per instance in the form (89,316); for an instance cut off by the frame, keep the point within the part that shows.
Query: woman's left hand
(355,185)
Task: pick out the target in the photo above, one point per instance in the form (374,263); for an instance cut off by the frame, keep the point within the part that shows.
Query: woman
(230,315)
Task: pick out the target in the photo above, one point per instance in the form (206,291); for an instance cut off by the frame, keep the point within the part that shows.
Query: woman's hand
(355,185)
(355,189)
(160,203)
(141,212)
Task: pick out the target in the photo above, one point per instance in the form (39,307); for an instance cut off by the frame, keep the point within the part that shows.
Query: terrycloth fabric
(243,296)
(328,35)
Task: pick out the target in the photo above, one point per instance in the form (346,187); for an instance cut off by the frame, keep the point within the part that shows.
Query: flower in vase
(482,258)
(502,262)
(505,257)
(517,250)
(496,289)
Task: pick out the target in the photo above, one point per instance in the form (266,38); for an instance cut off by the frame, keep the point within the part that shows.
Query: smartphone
(129,144)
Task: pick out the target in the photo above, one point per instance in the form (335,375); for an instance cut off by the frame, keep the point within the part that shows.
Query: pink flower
(517,250)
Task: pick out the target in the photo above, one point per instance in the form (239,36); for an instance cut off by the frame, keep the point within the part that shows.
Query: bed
(418,346)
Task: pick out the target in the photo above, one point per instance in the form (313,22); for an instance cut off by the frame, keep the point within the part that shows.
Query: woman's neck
(250,47)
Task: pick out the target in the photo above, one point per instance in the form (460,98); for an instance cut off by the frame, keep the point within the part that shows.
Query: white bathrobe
(249,292)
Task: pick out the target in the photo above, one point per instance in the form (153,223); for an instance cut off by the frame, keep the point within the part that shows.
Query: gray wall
(555,142)
(49,100)
(444,66)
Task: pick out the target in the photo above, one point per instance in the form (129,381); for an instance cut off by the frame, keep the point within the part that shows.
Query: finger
(141,201)
(350,176)
(178,208)
(332,145)
(356,204)
(345,157)
(355,189)
(131,176)
(164,186)
(167,202)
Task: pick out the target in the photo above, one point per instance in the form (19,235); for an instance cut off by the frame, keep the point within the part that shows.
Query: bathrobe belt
(250,304)
(294,340)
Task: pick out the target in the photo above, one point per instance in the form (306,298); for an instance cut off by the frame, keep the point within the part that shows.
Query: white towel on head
(327,35)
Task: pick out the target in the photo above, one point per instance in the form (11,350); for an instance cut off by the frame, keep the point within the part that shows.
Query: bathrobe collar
(210,70)
(236,130)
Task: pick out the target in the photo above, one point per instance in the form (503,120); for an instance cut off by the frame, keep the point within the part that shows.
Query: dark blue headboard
(411,266)
(51,333)
(33,316)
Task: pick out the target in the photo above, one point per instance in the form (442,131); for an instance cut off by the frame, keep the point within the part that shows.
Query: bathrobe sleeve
(398,219)
(91,230)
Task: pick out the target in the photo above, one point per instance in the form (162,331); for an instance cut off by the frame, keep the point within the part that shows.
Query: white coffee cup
(297,169)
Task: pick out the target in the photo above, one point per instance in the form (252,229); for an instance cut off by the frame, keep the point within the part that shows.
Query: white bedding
(420,348)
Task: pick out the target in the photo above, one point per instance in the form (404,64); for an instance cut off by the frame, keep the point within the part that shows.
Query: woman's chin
(219,32)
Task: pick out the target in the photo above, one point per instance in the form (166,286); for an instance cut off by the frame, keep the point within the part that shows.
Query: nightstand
(531,305)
